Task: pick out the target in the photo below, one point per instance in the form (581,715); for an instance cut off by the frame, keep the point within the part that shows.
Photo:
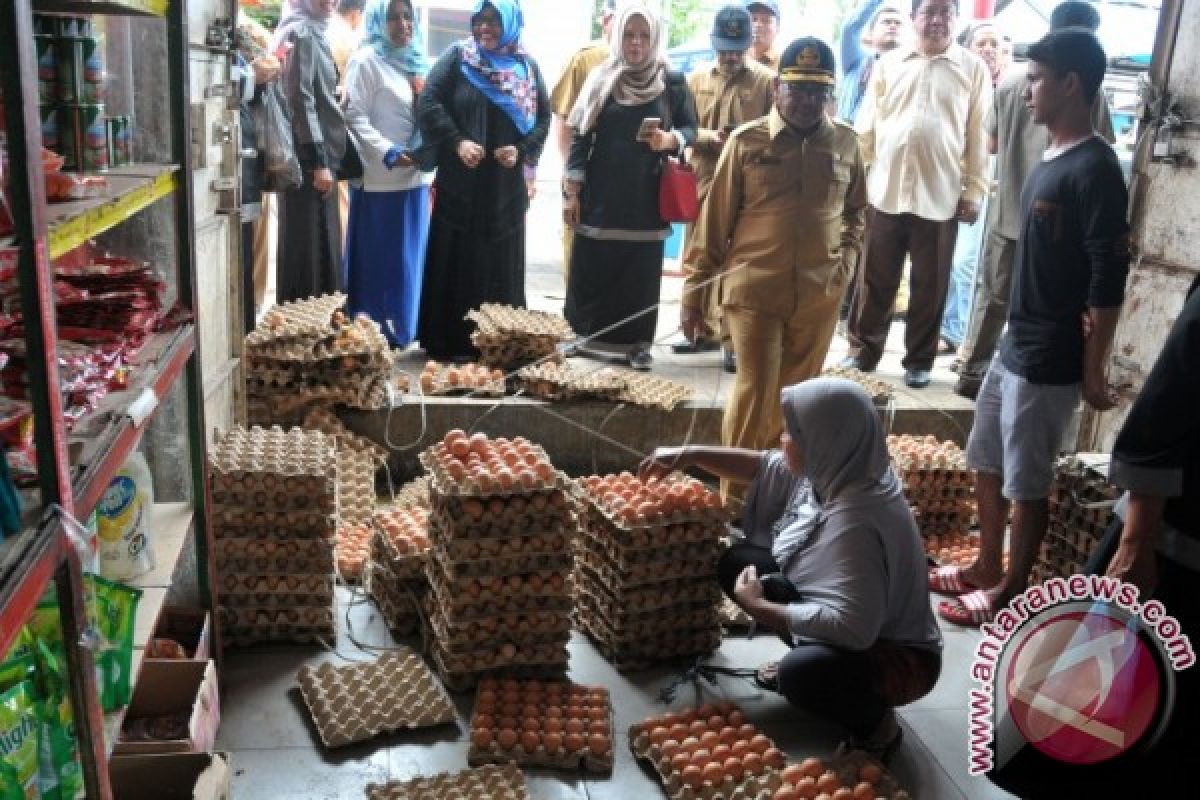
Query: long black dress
(476,251)
(616,260)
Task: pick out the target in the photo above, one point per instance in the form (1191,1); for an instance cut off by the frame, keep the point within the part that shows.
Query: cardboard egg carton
(288,583)
(953,548)
(532,479)
(399,608)
(618,602)
(511,354)
(655,536)
(550,549)
(553,633)
(648,738)
(476,380)
(256,548)
(911,453)
(297,617)
(357,702)
(549,623)
(495,318)
(652,391)
(464,604)
(510,655)
(550,381)
(880,391)
(543,564)
(625,558)
(352,550)
(466,680)
(415,493)
(650,574)
(310,318)
(564,726)
(280,564)
(355,486)
(490,782)
(247,523)
(276,600)
(655,503)
(632,656)
(406,566)
(542,513)
(325,421)
(247,635)
(1081,509)
(645,624)
(502,590)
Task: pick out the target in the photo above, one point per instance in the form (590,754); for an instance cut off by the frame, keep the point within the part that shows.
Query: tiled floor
(276,753)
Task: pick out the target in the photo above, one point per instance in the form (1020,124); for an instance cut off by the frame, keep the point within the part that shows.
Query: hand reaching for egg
(662,462)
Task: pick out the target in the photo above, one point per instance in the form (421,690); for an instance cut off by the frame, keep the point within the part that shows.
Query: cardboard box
(172,687)
(178,776)
(191,627)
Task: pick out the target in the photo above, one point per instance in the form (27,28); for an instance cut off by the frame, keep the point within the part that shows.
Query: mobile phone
(647,128)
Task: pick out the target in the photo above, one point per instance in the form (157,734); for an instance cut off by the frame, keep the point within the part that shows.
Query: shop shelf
(34,555)
(151,8)
(161,362)
(131,188)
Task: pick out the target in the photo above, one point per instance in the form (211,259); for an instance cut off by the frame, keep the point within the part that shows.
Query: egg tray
(713,529)
(415,493)
(297,616)
(624,558)
(444,486)
(490,782)
(453,522)
(234,548)
(626,657)
(240,523)
(295,452)
(245,636)
(601,513)
(466,680)
(556,382)
(457,647)
(550,625)
(513,355)
(462,606)
(582,757)
(879,391)
(277,566)
(540,564)
(286,583)
(328,423)
(400,567)
(439,382)
(949,548)
(499,318)
(511,654)
(308,318)
(647,574)
(618,601)
(759,784)
(357,702)
(365,395)
(633,627)
(356,487)
(553,545)
(398,610)
(651,391)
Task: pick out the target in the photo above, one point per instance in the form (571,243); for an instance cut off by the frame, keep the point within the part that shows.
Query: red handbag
(678,197)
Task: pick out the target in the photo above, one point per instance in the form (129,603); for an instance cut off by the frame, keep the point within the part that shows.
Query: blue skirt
(385,258)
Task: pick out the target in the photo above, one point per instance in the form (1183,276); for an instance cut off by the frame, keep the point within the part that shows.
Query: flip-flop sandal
(882,752)
(970,610)
(767,677)
(949,580)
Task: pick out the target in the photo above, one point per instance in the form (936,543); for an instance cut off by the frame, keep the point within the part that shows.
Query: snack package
(60,775)
(19,727)
(115,608)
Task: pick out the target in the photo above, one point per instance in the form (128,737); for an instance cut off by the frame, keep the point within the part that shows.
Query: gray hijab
(837,430)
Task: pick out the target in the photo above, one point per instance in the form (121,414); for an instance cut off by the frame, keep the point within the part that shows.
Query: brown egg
(574,742)
(701,757)
(552,725)
(680,760)
(709,740)
(733,768)
(752,763)
(599,744)
(599,726)
(692,776)
(747,732)
(806,787)
(601,713)
(552,742)
(728,735)
(774,758)
(483,721)
(740,747)
(735,718)
(659,735)
(792,774)
(698,727)
(690,744)
(828,782)
(531,724)
(574,725)
(784,792)
(482,737)
(813,767)
(864,791)
(507,738)
(760,744)
(870,773)
(669,749)
(842,794)
(713,773)
(679,731)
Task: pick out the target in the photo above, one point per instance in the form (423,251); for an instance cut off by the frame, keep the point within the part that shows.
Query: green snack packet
(60,774)
(19,739)
(18,664)
(116,611)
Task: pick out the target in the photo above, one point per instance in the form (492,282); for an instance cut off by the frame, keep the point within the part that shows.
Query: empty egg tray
(357,702)
(556,382)
(328,423)
(879,391)
(505,319)
(300,319)
(651,391)
(594,754)
(490,782)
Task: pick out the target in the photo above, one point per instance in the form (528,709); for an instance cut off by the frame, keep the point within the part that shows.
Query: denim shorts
(1018,431)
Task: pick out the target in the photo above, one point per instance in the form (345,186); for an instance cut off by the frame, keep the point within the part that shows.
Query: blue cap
(731,29)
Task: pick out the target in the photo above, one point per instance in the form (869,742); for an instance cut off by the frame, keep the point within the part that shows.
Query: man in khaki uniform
(566,92)
(783,225)
(728,93)
(764,18)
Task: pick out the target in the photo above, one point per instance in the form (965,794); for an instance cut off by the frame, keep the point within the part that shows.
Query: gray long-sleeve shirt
(861,574)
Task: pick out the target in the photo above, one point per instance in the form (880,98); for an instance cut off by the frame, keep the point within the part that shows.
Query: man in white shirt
(921,126)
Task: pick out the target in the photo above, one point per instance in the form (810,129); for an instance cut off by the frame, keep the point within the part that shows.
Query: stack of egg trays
(508,337)
(274,519)
(647,592)
(940,491)
(492,566)
(489,782)
(1081,509)
(583,741)
(396,581)
(550,381)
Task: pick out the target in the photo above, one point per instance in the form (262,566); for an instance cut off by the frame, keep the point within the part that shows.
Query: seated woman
(827,512)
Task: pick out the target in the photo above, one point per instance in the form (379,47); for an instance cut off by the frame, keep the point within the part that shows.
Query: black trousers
(840,685)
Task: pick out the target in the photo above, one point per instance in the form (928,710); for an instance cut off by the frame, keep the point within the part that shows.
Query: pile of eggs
(352,547)
(958,549)
(631,500)
(437,377)
(406,529)
(557,718)
(494,465)
(811,778)
(925,452)
(709,745)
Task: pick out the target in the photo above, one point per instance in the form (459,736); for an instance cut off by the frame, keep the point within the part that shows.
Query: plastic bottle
(123,515)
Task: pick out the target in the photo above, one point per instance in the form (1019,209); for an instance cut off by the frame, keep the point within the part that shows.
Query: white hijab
(626,83)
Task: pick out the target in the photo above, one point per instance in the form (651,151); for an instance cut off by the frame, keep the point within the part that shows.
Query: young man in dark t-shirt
(1072,262)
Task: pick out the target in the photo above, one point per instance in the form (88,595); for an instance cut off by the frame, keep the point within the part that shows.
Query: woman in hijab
(831,560)
(389,214)
(486,111)
(310,235)
(610,194)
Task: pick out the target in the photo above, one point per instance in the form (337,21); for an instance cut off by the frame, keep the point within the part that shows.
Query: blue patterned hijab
(410,59)
(503,74)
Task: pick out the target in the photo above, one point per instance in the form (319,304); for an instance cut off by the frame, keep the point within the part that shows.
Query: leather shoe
(729,361)
(854,362)
(917,378)
(640,359)
(968,387)
(701,345)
